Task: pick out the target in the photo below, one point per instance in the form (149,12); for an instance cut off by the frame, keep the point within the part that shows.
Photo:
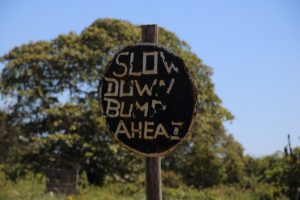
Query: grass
(33,188)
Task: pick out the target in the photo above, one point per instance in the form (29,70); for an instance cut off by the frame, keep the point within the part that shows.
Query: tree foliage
(10,143)
(53,86)
(279,172)
(291,171)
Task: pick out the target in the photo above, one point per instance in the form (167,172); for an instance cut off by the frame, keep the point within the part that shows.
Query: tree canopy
(52,87)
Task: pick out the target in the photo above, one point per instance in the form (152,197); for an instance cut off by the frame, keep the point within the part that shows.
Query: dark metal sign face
(148,99)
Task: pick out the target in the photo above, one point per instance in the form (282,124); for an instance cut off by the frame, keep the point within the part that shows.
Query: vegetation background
(53,120)
(49,108)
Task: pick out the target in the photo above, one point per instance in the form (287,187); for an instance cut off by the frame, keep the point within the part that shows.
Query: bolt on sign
(148,99)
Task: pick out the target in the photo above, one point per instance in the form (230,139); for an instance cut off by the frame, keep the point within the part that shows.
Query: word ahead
(148,99)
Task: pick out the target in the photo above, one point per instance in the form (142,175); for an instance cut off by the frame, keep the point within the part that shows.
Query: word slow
(146,68)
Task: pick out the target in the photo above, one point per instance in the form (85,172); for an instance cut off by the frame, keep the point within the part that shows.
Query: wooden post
(149,33)
(153,179)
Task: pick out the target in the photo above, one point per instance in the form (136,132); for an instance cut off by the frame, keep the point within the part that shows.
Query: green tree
(3,136)
(232,160)
(277,173)
(10,143)
(210,158)
(11,147)
(8,137)
(291,171)
(54,87)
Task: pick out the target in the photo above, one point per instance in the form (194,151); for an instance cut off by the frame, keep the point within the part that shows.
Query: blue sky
(252,46)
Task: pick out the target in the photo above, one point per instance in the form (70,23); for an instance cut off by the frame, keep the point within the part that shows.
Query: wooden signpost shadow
(153,167)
